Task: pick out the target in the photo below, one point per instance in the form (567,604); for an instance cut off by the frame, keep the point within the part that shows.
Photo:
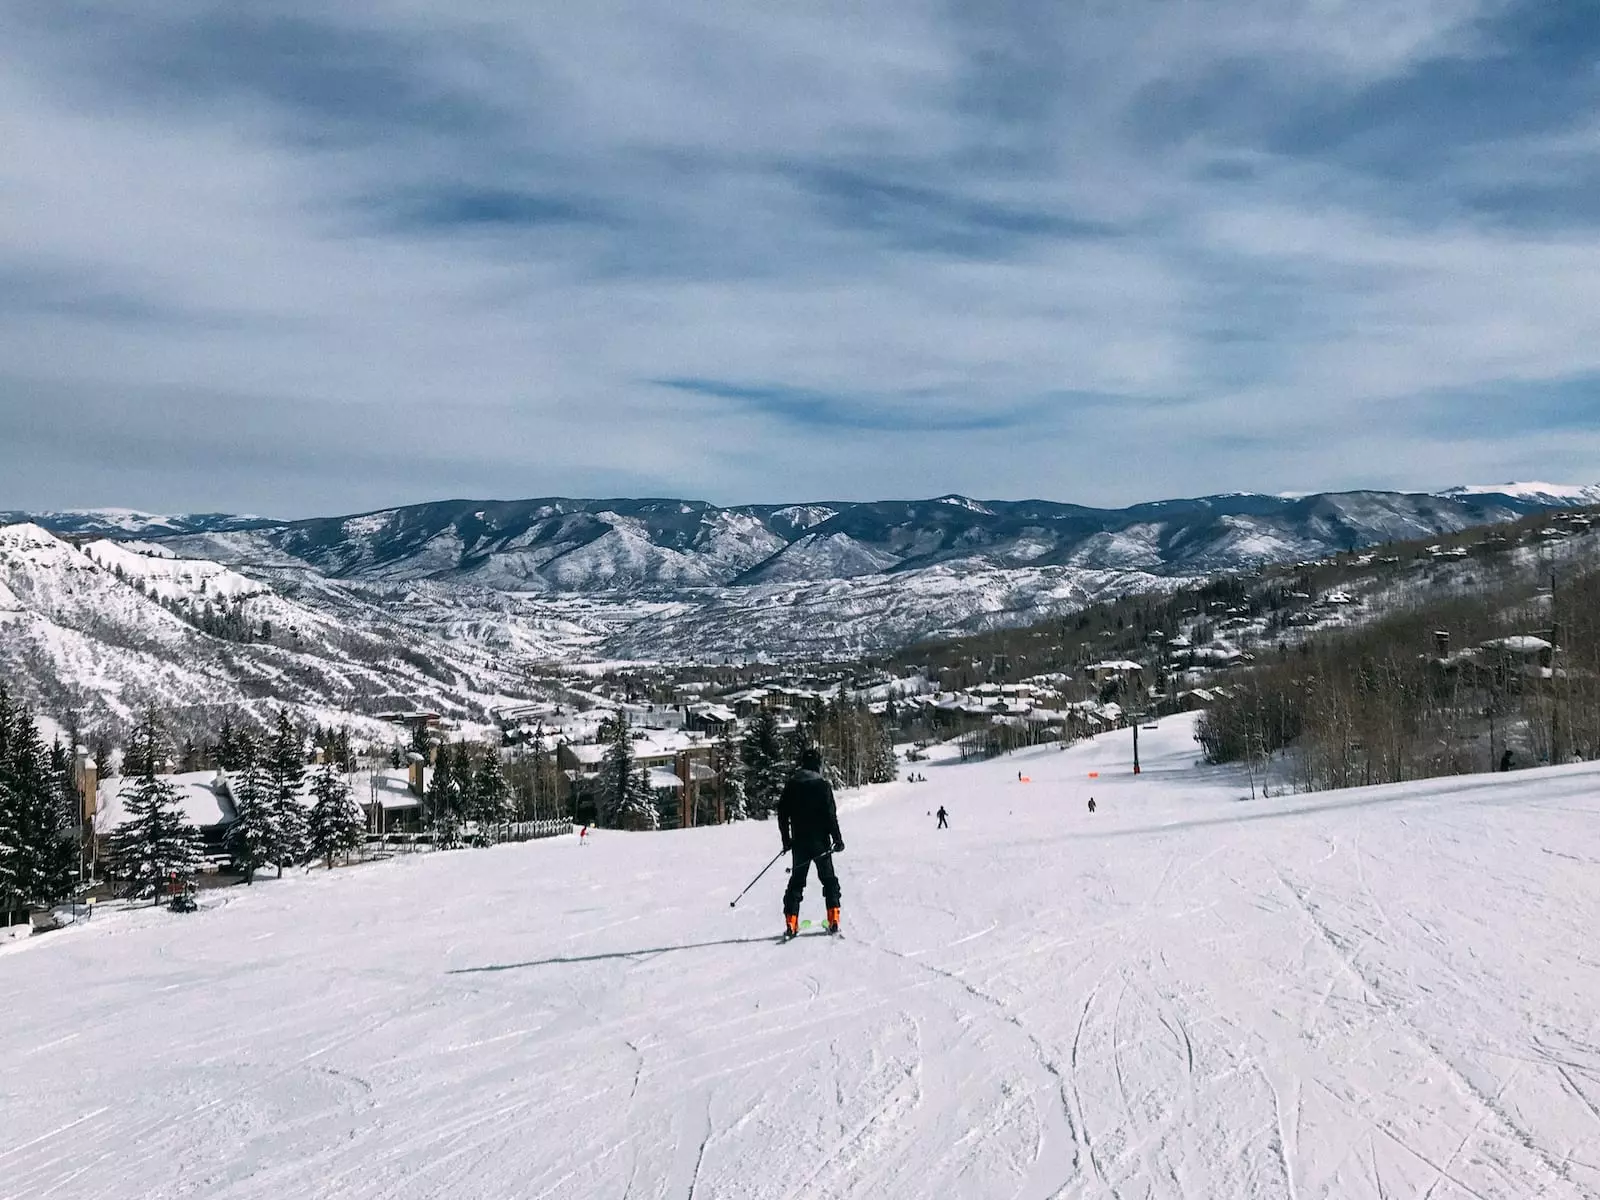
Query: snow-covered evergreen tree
(253,838)
(8,855)
(462,781)
(617,770)
(38,854)
(491,796)
(337,824)
(765,767)
(155,848)
(442,807)
(885,763)
(64,787)
(10,840)
(286,764)
(639,809)
(730,775)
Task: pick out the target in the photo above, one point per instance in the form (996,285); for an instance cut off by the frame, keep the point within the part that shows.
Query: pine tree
(10,820)
(617,770)
(287,766)
(765,769)
(442,802)
(8,853)
(253,837)
(491,795)
(462,781)
(730,775)
(66,793)
(155,845)
(885,763)
(639,805)
(420,742)
(337,824)
(34,830)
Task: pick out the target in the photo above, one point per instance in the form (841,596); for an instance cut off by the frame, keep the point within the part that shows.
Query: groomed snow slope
(1379,993)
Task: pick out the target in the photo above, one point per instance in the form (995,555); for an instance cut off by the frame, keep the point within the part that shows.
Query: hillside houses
(677,764)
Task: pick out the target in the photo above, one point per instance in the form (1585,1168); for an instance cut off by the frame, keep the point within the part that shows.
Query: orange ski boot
(791,925)
(833,920)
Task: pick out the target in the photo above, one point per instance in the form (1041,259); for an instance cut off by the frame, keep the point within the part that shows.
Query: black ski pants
(797,879)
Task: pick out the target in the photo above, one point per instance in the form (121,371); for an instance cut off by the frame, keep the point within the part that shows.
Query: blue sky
(304,258)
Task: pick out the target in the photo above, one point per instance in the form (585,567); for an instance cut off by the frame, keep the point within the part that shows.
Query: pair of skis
(786,936)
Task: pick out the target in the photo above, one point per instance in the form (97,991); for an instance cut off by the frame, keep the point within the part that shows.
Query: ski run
(1391,992)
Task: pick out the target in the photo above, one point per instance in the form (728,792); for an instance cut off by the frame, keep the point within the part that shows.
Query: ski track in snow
(1365,995)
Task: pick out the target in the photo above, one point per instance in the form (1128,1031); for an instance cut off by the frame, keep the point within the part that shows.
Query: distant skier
(941,814)
(583,836)
(808,822)
(1091,803)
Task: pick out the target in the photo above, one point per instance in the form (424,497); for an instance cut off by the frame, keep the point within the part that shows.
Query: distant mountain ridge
(658,545)
(449,604)
(107,628)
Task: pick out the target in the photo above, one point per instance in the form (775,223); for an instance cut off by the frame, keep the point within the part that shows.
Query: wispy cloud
(1007,249)
(899,414)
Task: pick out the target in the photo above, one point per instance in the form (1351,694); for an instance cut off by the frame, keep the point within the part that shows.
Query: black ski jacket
(808,820)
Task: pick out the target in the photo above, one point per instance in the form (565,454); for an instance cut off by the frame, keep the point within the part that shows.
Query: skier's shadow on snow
(585,958)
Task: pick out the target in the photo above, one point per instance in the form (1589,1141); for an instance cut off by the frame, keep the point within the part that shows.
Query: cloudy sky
(300,258)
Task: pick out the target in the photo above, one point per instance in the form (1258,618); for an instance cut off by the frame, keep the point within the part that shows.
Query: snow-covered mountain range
(450,603)
(103,629)
(559,545)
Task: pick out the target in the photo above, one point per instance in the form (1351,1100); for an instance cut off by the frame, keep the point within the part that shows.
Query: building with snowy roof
(1116,668)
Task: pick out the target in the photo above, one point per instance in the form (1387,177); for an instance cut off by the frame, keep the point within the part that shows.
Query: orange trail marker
(1094,774)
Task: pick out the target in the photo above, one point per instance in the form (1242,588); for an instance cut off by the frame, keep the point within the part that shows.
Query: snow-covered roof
(1116,664)
(662,779)
(389,788)
(1518,643)
(203,801)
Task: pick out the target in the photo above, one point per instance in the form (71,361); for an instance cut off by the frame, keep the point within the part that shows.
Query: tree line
(39,807)
(1431,690)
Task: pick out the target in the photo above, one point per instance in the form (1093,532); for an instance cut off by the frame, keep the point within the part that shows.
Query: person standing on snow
(808,822)
(941,814)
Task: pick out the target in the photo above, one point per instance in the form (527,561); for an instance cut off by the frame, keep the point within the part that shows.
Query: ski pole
(756,880)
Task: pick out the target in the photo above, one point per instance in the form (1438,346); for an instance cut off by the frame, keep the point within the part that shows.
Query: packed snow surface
(1378,993)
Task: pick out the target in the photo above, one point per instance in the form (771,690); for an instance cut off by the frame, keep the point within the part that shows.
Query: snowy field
(1383,993)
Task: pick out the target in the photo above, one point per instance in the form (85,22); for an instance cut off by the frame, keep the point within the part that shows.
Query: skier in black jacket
(808,822)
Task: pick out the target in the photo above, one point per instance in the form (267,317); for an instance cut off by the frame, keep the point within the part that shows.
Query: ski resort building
(392,797)
(202,796)
(1114,669)
(676,764)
